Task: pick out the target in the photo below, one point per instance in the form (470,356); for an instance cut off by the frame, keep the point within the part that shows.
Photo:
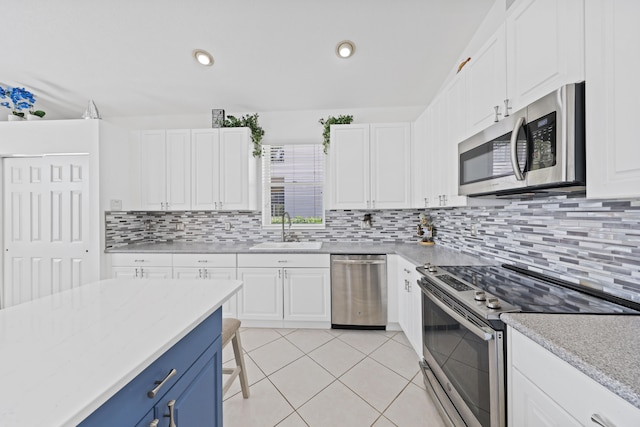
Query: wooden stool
(231,332)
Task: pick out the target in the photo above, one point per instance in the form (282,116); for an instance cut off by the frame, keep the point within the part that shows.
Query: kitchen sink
(299,246)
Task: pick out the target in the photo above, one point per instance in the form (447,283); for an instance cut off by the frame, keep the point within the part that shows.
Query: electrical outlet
(474,229)
(227,226)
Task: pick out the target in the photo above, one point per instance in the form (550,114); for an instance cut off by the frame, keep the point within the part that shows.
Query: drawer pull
(159,384)
(282,260)
(202,260)
(601,421)
(172,422)
(138,260)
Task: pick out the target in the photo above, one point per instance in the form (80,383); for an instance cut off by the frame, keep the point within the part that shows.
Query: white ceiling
(133,57)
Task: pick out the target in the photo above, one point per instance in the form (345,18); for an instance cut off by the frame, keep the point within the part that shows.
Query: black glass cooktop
(533,295)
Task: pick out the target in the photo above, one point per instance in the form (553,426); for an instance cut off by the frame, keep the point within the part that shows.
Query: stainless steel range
(463,337)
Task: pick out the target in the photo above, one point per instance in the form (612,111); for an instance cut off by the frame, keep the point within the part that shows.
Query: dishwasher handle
(359,261)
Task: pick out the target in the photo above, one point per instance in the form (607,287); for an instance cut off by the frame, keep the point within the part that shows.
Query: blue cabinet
(194,390)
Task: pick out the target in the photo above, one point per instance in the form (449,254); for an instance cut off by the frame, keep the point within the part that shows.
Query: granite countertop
(66,354)
(417,254)
(604,347)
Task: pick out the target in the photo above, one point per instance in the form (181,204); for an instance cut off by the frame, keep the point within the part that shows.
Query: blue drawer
(131,403)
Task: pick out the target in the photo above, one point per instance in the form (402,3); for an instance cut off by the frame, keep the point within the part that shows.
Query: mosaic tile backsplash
(593,243)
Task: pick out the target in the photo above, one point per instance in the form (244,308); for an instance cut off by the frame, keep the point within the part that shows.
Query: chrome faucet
(284,235)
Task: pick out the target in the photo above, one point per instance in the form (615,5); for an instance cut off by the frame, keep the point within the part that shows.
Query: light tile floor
(317,378)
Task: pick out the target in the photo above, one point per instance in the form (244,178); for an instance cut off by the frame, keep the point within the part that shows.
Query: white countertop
(63,356)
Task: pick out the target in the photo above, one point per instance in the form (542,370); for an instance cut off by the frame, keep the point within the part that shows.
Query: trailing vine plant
(251,122)
(326,133)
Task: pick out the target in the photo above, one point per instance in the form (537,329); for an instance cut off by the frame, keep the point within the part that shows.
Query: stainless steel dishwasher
(359,291)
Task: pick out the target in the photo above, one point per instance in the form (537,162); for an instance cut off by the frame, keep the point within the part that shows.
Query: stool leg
(237,351)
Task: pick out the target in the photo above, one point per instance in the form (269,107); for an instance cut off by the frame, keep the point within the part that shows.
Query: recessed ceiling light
(345,49)
(203,57)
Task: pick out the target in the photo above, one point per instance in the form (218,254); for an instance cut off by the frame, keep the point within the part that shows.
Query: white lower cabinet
(544,390)
(409,303)
(141,266)
(294,295)
(208,267)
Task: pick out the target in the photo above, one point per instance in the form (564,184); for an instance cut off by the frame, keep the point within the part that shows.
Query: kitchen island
(66,355)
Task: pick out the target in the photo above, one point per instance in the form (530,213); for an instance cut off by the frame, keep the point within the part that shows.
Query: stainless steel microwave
(537,150)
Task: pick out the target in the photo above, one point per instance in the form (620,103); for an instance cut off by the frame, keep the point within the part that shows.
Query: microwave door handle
(514,150)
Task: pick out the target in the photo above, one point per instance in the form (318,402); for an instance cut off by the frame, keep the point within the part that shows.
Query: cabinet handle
(136,272)
(167,205)
(282,260)
(138,260)
(497,110)
(159,384)
(279,274)
(506,108)
(162,206)
(154,423)
(170,405)
(141,273)
(203,260)
(220,204)
(426,202)
(215,205)
(285,274)
(601,421)
(373,204)
(206,273)
(444,200)
(199,273)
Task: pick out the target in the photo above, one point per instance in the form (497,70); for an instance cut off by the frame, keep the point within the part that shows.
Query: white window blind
(293,179)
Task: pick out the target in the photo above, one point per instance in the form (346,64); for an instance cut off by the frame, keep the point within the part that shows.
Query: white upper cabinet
(545,48)
(206,169)
(538,49)
(435,148)
(370,166)
(349,167)
(485,81)
(165,182)
(612,94)
(223,171)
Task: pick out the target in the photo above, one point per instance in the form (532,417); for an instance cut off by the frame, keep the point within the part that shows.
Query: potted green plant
(250,121)
(326,133)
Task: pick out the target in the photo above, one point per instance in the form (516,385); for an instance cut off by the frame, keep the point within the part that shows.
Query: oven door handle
(485,334)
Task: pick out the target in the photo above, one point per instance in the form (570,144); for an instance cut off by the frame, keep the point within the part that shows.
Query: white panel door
(390,170)
(307,294)
(485,78)
(205,170)
(261,295)
(545,48)
(613,170)
(46,226)
(153,170)
(235,155)
(349,163)
(178,170)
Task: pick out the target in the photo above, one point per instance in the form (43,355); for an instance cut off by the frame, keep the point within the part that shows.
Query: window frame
(266,191)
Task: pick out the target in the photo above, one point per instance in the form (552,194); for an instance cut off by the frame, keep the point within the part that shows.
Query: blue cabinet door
(197,398)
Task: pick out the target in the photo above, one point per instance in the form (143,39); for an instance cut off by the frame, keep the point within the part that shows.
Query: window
(293,179)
